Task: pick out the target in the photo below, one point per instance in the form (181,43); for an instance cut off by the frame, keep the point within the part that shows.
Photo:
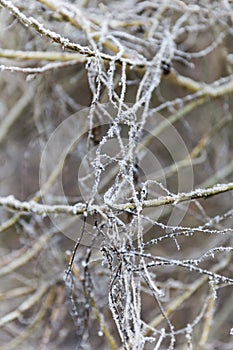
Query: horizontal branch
(37,70)
(65,43)
(217,89)
(180,197)
(14,204)
(10,202)
(42,55)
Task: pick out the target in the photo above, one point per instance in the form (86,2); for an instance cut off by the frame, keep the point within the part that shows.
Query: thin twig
(176,303)
(37,70)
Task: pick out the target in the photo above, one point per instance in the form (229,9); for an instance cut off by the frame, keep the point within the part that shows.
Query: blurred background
(170,66)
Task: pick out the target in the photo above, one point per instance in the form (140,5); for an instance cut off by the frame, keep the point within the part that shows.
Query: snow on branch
(57,38)
(132,133)
(11,203)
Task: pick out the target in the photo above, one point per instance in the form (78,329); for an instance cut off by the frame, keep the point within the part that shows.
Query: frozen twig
(37,70)
(11,203)
(133,62)
(65,43)
(197,284)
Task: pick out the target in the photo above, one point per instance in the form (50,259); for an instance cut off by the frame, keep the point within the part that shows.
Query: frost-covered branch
(11,203)
(181,197)
(41,209)
(65,43)
(196,285)
(37,70)
(147,86)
